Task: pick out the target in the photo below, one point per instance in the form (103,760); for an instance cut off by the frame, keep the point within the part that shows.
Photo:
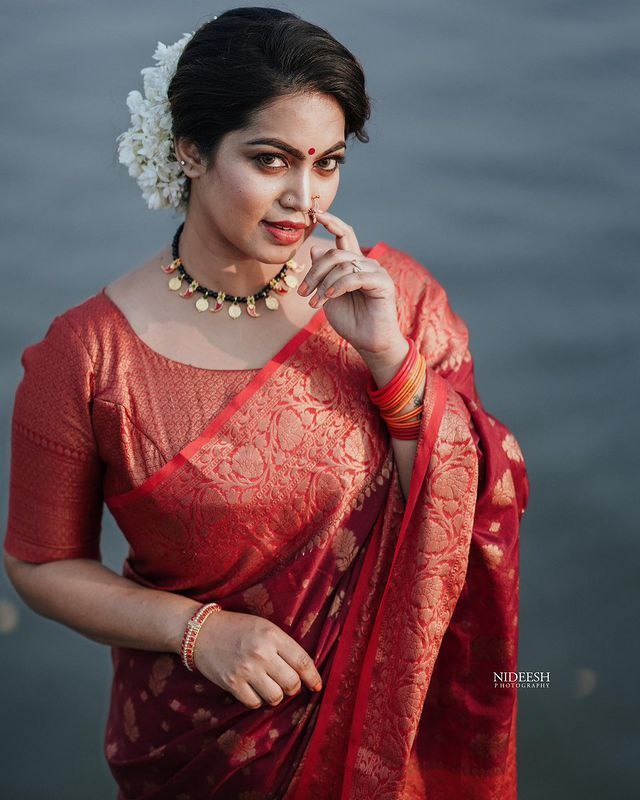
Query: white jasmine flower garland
(146,148)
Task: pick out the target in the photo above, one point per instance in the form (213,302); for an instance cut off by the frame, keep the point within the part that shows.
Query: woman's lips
(280,235)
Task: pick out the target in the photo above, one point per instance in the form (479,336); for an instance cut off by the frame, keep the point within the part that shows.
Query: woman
(315,460)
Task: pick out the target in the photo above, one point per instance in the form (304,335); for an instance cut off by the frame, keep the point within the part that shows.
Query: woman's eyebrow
(292,150)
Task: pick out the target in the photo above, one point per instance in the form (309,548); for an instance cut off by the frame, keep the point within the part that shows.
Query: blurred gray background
(504,156)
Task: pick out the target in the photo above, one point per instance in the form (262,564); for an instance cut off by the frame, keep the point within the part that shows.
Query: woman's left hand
(361,306)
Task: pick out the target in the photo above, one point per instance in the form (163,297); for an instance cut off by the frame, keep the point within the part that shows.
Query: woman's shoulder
(82,340)
(58,381)
(98,323)
(81,326)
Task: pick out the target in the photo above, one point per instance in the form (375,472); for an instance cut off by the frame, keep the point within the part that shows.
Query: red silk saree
(288,505)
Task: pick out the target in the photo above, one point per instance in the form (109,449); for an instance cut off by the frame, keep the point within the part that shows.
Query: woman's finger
(267,689)
(247,695)
(368,281)
(338,271)
(345,235)
(284,675)
(321,268)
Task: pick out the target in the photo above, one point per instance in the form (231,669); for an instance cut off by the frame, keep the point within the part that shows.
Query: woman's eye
(262,156)
(260,159)
(337,159)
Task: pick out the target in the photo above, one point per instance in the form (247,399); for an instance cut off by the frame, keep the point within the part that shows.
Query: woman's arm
(108,608)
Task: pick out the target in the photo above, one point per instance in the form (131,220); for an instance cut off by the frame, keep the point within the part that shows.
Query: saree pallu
(289,506)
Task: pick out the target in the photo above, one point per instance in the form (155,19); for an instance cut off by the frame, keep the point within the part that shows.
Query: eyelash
(337,159)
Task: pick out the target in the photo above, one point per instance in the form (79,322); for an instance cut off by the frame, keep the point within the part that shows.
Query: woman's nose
(306,206)
(302,192)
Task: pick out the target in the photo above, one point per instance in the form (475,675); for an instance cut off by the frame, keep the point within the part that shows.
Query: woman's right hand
(252,658)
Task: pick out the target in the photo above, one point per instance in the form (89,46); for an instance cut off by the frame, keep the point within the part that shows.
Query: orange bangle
(402,395)
(407,425)
(382,395)
(409,388)
(394,396)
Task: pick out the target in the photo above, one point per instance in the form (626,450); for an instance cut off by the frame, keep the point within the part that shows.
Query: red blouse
(89,383)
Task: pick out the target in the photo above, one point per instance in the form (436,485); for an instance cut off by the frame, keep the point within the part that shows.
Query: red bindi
(312,150)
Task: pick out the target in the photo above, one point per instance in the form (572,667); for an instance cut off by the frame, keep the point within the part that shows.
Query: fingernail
(317,687)
(329,291)
(303,287)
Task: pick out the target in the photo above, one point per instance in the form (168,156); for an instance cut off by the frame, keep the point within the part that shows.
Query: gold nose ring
(314,209)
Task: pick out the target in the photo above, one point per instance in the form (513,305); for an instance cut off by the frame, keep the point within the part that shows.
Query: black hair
(246,57)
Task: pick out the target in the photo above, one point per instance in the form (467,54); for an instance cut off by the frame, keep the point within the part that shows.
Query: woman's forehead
(317,115)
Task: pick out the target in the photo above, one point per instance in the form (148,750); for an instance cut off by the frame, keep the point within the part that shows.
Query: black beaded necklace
(280,284)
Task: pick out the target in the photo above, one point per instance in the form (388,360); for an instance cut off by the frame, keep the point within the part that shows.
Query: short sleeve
(56,474)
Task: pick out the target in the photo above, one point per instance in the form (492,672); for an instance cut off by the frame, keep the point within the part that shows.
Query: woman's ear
(188,152)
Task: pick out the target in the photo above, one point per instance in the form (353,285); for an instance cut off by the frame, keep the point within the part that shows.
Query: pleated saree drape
(288,505)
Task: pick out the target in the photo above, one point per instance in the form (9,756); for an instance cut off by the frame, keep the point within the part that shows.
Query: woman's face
(249,183)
